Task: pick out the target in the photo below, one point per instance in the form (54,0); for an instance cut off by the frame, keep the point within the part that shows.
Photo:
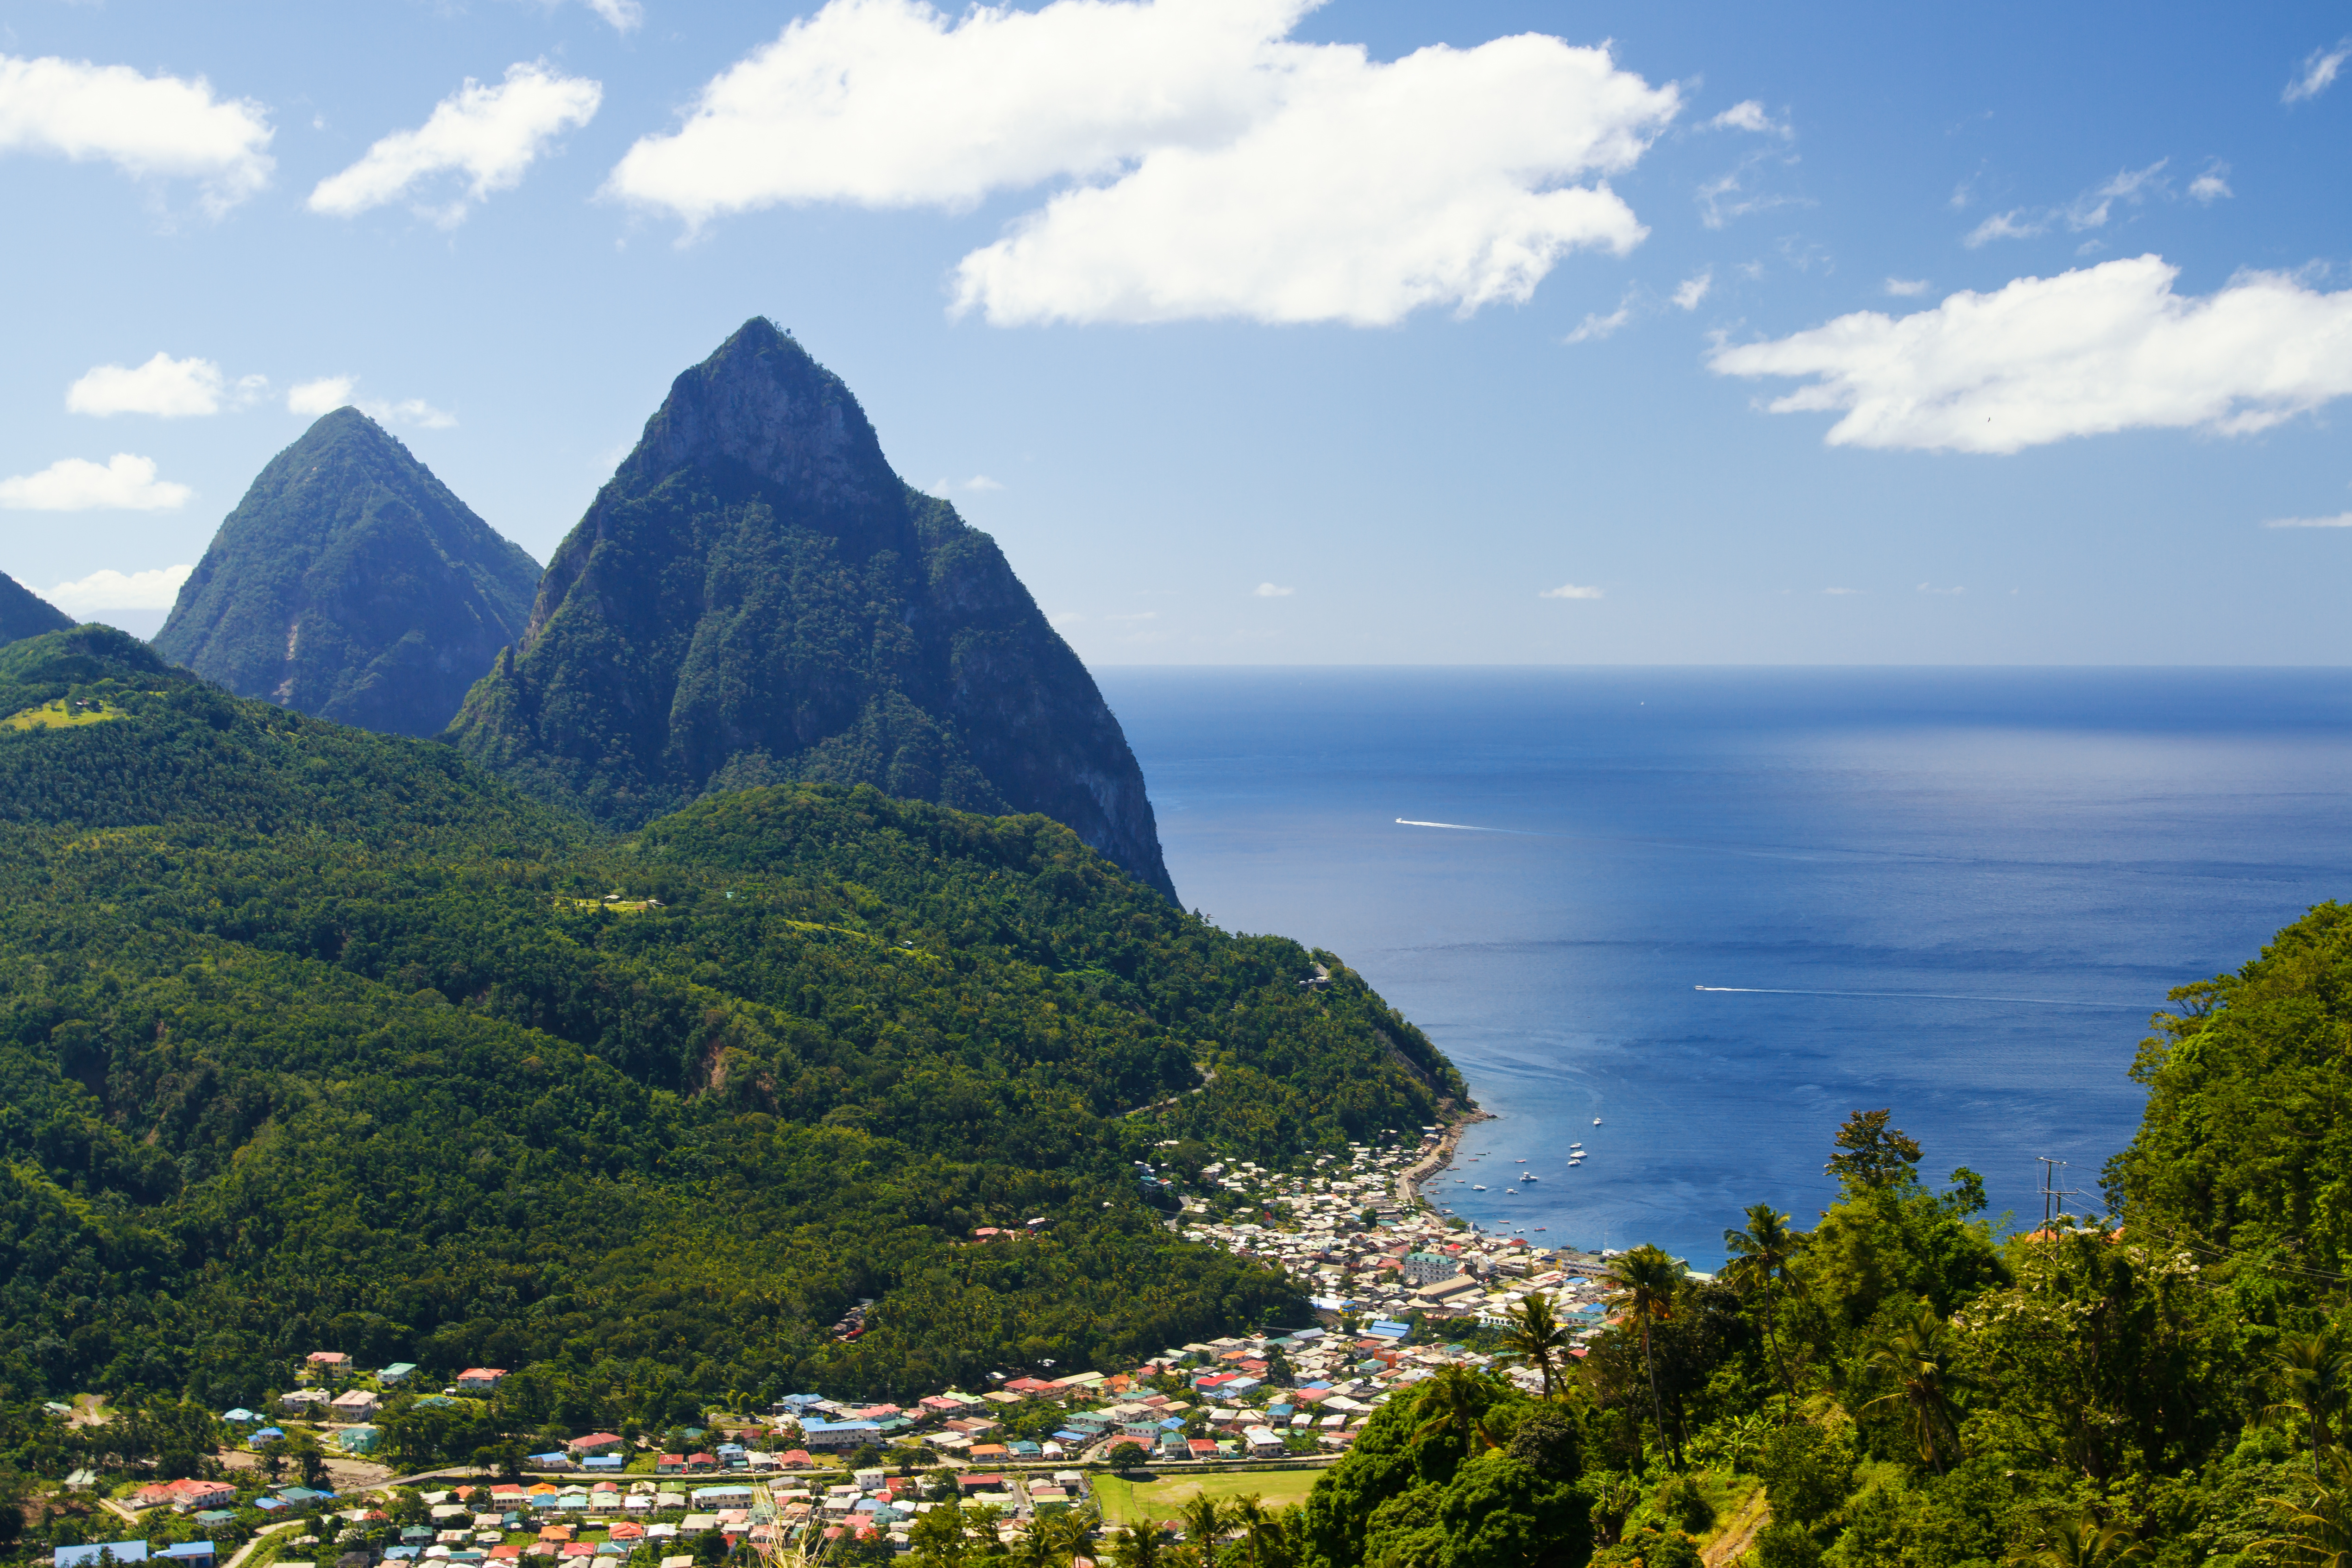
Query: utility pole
(2054,1197)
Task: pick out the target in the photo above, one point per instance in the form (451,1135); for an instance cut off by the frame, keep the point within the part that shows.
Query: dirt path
(1734,1543)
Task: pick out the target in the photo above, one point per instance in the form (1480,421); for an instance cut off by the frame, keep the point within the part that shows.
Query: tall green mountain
(755,598)
(24,613)
(317,1038)
(352,584)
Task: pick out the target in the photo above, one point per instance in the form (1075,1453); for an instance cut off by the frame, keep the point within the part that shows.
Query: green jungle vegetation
(350,584)
(24,613)
(316,1038)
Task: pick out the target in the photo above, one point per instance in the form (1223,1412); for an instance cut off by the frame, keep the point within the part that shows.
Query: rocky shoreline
(1409,1180)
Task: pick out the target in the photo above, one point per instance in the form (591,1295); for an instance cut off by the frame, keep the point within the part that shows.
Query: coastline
(1409,1180)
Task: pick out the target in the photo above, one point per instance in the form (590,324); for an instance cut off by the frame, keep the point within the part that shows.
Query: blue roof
(120,1551)
(188,1549)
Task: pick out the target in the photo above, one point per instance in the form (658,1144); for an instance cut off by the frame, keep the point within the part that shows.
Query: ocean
(1719,909)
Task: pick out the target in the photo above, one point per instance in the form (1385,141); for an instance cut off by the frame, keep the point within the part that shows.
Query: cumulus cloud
(2212,185)
(123,483)
(112,590)
(2089,352)
(2318,73)
(410,411)
(2341,519)
(1571,591)
(624,15)
(149,127)
(1224,170)
(1750,116)
(1268,591)
(1905,287)
(489,134)
(166,388)
(323,395)
(1693,290)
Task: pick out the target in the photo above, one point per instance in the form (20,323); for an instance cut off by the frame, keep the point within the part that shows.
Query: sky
(1255,331)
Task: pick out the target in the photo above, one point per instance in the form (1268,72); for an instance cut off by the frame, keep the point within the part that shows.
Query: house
(796,1460)
(596,1443)
(185,1494)
(551,1462)
(359,1439)
(396,1373)
(1202,1447)
(101,1551)
(354,1405)
(310,1401)
(990,1483)
(189,1553)
(480,1379)
(1442,1291)
(329,1361)
(670,1464)
(1425,1268)
(1263,1443)
(240,1416)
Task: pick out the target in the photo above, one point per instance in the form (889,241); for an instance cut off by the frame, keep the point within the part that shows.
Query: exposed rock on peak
(755,597)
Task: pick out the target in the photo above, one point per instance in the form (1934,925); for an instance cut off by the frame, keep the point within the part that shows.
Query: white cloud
(1233,173)
(1268,591)
(323,395)
(330,393)
(166,388)
(2341,519)
(1905,287)
(489,134)
(1596,327)
(123,483)
(624,15)
(2011,224)
(1728,196)
(2212,185)
(1693,290)
(1750,116)
(149,127)
(2318,73)
(112,590)
(2089,352)
(2089,210)
(1569,590)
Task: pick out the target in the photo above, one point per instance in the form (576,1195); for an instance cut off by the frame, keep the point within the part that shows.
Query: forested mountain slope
(352,584)
(24,613)
(755,598)
(310,1037)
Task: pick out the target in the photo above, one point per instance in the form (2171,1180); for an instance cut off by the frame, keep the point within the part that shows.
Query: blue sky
(1257,332)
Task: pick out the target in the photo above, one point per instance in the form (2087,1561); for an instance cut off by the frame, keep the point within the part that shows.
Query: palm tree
(1641,1285)
(1534,1334)
(2083,1543)
(1248,1514)
(2312,1372)
(1760,1257)
(1917,1358)
(1138,1546)
(1204,1520)
(2319,1531)
(1456,1398)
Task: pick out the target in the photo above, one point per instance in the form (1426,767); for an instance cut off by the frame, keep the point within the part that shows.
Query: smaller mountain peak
(24,613)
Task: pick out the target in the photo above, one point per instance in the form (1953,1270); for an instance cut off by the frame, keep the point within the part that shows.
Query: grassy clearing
(60,714)
(1130,1502)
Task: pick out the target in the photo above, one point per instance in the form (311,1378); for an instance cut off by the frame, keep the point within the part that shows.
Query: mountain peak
(352,584)
(24,613)
(755,598)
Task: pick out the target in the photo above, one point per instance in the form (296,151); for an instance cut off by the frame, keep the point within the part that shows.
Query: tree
(2318,1531)
(1534,1334)
(1260,1531)
(1138,1546)
(1126,1456)
(1455,1399)
(1918,1359)
(1205,1520)
(1876,1157)
(1760,1257)
(1641,1285)
(2311,1374)
(2083,1541)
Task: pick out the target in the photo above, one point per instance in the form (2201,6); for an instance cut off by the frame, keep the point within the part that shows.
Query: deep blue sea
(1955,893)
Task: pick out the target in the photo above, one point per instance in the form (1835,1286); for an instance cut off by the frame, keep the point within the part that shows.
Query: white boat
(1477,1189)
(1596,1121)
(1530,1176)
(1573,1147)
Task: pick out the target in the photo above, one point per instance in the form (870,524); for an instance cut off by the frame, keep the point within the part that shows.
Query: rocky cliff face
(756,598)
(24,613)
(351,585)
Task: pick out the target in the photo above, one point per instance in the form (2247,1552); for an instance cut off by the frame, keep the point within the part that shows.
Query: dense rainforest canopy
(310,1037)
